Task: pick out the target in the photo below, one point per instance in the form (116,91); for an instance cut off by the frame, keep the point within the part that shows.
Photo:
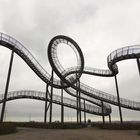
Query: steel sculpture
(70,79)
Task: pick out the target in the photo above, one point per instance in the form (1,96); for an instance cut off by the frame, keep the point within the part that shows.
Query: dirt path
(71,134)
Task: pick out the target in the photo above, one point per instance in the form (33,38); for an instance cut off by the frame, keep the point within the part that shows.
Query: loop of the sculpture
(68,78)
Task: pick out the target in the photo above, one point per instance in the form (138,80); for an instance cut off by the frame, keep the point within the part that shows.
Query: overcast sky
(98,26)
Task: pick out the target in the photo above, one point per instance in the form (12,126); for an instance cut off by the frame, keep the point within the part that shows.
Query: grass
(7,128)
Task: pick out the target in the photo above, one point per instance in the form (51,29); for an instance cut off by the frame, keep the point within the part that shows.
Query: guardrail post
(7,86)
(118,97)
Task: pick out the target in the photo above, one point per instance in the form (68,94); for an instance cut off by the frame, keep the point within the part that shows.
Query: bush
(120,127)
(7,128)
(89,121)
(53,125)
(139,132)
(117,126)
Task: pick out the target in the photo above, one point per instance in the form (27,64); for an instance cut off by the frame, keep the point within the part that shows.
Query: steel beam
(138,64)
(46,103)
(80,117)
(109,118)
(118,98)
(7,86)
(77,107)
(51,98)
(62,107)
(84,111)
(78,102)
(48,107)
(103,117)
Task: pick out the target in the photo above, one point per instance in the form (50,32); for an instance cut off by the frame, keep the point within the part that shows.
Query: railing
(41,95)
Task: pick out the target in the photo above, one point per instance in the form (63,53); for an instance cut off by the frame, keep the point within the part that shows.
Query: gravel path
(71,134)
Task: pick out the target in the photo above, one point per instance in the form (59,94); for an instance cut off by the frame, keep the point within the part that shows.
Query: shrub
(53,125)
(7,128)
(139,132)
(125,126)
(117,126)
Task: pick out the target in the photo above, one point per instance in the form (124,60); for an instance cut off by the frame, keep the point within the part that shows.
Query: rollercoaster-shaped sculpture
(70,78)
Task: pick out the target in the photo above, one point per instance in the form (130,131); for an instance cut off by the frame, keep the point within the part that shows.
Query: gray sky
(98,26)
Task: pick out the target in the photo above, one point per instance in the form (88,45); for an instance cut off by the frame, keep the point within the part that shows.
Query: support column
(138,64)
(84,111)
(62,107)
(7,86)
(77,107)
(103,117)
(51,97)
(109,118)
(46,103)
(79,102)
(118,97)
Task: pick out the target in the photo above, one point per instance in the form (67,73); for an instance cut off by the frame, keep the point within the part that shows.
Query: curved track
(70,76)
(38,95)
